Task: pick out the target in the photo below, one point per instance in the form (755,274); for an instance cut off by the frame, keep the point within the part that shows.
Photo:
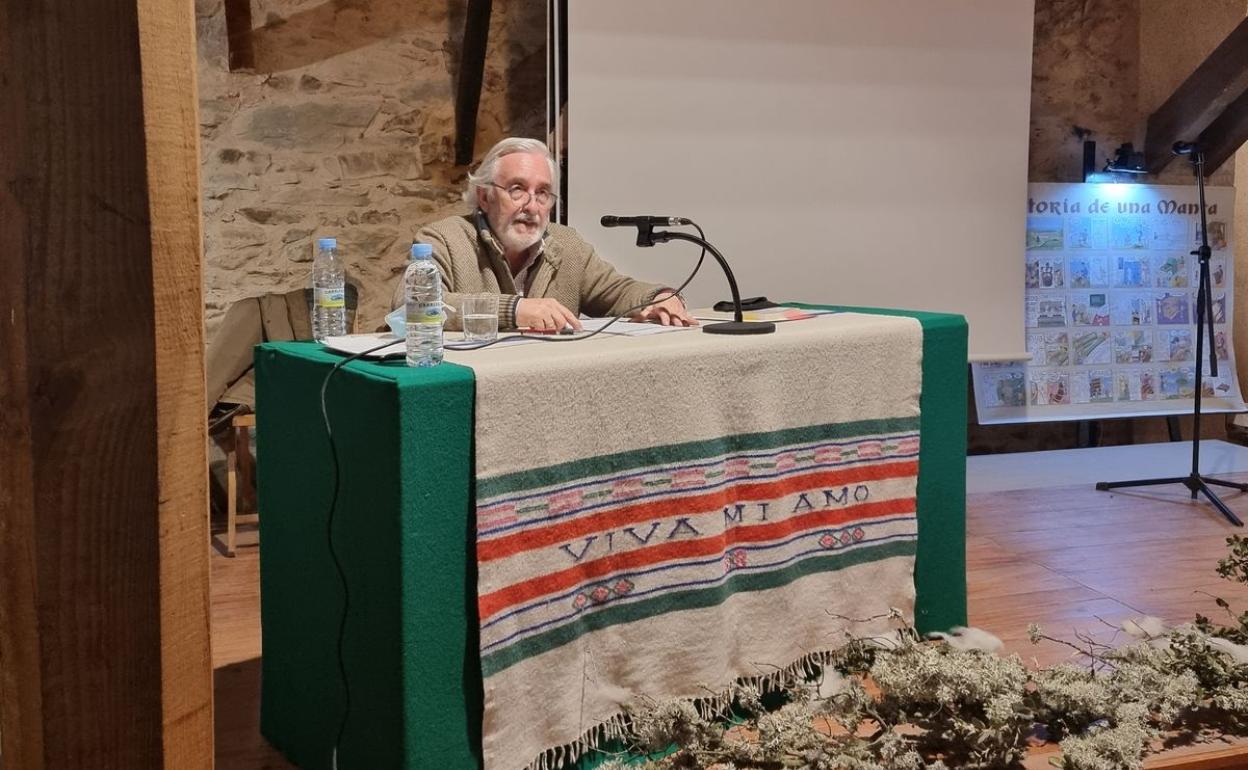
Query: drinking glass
(479,313)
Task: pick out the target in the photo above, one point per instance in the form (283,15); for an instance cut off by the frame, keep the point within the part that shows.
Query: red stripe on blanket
(654,510)
(493,603)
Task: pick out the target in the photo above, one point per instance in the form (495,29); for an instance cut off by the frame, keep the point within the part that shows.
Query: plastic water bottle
(329,291)
(422,285)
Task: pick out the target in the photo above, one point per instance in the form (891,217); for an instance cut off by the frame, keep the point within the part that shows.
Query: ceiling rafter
(1210,107)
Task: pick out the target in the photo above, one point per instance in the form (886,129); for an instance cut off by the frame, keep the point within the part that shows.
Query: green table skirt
(403,532)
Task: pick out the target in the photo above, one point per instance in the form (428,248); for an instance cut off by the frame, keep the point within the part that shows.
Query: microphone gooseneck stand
(1195,482)
(646,236)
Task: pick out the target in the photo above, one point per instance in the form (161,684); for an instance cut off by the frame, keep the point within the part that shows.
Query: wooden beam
(1225,135)
(171,129)
(471,72)
(103,533)
(1220,80)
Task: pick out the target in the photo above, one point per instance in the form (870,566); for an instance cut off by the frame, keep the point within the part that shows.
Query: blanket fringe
(709,707)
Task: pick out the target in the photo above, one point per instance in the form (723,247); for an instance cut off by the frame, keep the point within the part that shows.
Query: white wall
(843,151)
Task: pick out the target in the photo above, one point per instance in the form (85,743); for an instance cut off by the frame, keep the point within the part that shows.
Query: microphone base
(740,327)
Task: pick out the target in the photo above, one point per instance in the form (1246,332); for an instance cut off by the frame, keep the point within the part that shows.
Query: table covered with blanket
(534,536)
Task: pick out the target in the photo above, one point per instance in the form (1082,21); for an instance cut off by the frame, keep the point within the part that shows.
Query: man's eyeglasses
(521,196)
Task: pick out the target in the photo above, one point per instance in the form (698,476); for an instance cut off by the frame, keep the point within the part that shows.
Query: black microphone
(643,221)
(1184,148)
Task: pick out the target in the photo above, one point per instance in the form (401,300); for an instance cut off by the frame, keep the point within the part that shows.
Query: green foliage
(943,704)
(1192,651)
(1235,566)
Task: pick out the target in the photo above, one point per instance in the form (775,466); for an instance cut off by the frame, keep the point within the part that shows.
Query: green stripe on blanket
(648,456)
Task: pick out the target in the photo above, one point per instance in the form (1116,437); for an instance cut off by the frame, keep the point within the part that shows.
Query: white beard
(514,240)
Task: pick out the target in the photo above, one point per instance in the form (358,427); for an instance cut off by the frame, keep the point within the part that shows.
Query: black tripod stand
(1204,323)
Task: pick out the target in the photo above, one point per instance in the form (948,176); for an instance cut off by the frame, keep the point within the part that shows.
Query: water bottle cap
(422,251)
(327,243)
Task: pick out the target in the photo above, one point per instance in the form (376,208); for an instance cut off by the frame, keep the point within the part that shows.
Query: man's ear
(482,193)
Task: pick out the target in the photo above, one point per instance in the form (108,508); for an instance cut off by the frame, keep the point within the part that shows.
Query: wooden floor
(1069,559)
(1076,560)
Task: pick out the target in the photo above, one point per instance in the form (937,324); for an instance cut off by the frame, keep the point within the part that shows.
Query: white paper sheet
(352,344)
(629,328)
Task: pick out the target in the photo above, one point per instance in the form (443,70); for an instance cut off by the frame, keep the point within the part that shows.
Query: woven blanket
(665,516)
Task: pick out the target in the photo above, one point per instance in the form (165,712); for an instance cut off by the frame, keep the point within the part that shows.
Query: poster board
(1110,306)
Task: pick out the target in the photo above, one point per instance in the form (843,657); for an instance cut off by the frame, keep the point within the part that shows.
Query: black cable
(333,553)
(333,453)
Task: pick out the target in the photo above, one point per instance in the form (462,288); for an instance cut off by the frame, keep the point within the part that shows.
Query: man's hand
(669,312)
(545,315)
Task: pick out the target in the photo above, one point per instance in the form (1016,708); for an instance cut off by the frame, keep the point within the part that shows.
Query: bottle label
(330,298)
(424,312)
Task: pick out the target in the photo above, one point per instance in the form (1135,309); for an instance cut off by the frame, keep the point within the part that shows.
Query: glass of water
(479,313)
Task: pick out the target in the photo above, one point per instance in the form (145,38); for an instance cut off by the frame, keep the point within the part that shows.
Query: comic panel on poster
(1111,311)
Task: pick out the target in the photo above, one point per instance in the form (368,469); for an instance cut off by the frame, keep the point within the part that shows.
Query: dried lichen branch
(899,702)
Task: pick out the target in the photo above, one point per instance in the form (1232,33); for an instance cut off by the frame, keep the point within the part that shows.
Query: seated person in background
(545,274)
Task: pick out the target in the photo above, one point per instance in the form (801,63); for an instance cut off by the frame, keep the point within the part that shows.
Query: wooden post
(104,652)
(471,72)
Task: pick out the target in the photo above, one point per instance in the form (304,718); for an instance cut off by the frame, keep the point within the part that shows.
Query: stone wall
(1084,83)
(345,127)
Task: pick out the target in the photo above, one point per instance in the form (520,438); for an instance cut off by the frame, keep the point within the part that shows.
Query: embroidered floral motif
(566,501)
(600,594)
(845,537)
(735,559)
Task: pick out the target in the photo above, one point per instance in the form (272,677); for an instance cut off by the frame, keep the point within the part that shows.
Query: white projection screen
(857,152)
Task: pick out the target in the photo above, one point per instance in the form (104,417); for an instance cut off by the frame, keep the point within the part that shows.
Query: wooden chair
(238,460)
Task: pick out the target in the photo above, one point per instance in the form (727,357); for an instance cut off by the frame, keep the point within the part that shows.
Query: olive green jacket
(568,270)
(272,317)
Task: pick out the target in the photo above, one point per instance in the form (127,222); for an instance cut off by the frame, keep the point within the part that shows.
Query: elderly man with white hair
(545,274)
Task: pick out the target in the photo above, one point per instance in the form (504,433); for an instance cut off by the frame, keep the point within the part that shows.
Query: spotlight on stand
(1126,161)
(1127,165)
